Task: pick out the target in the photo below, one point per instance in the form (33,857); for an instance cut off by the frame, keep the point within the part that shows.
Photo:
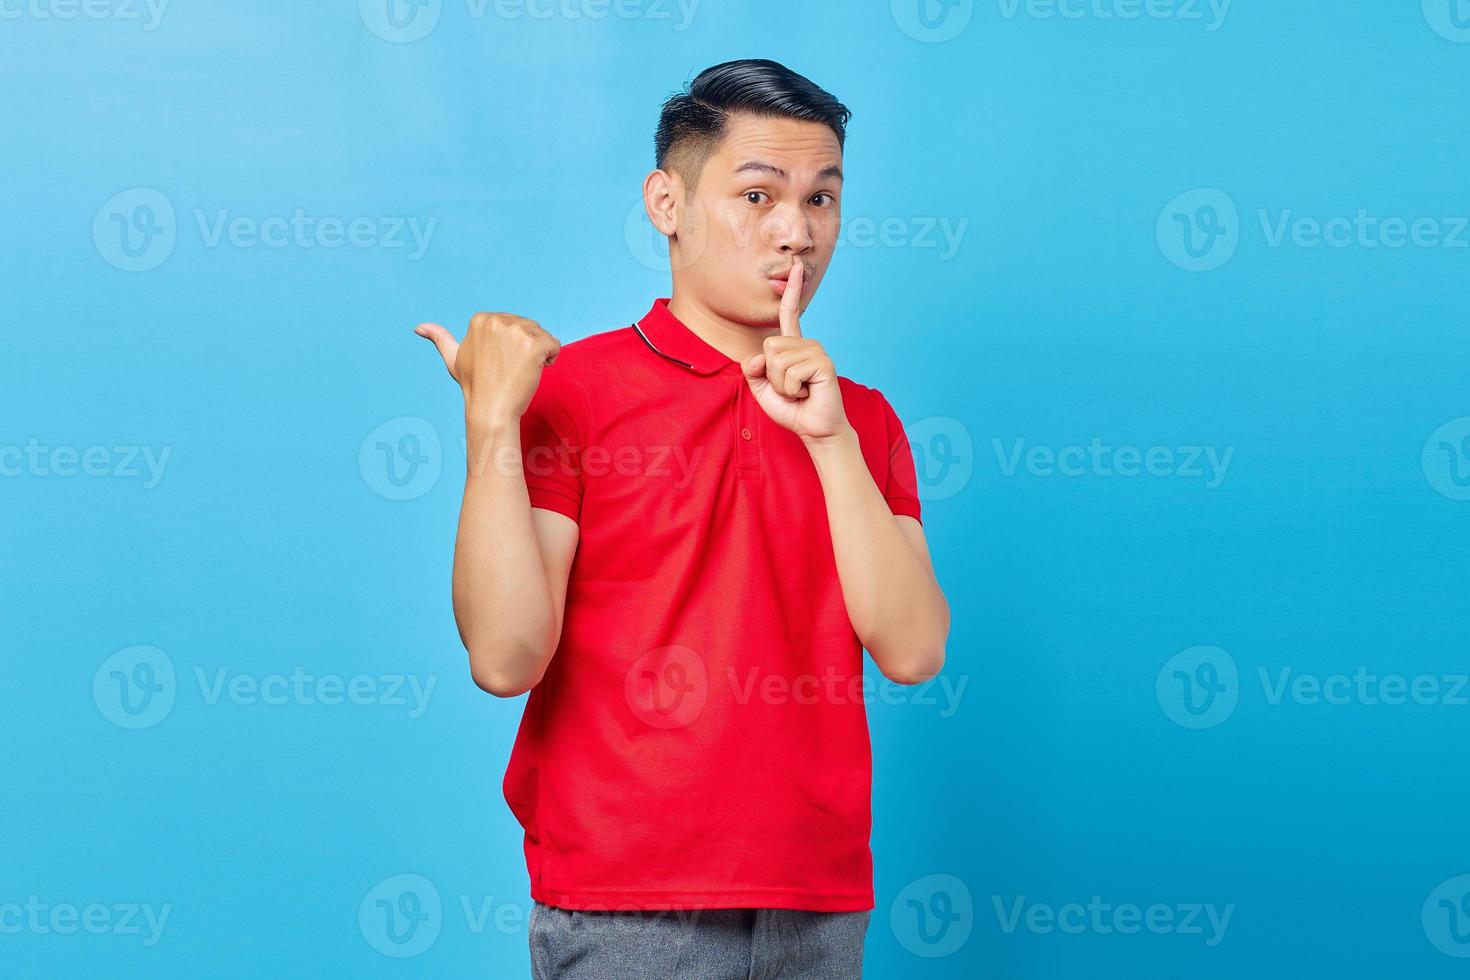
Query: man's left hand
(793,379)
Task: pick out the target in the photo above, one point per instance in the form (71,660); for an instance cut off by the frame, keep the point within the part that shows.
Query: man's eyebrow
(760,166)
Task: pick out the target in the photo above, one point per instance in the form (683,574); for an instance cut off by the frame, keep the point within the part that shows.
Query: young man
(679,536)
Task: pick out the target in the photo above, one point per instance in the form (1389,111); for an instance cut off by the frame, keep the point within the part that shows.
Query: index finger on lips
(791,301)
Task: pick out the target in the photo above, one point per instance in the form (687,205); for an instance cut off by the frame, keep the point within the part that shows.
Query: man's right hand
(498,364)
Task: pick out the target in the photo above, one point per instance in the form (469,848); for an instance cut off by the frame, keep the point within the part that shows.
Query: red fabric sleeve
(901,489)
(551,442)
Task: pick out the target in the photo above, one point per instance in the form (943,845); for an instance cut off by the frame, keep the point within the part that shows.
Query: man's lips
(778,280)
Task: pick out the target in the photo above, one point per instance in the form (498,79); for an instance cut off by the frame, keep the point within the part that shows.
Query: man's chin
(762,311)
(767,315)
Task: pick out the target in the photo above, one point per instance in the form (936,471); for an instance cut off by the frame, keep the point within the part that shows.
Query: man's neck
(736,341)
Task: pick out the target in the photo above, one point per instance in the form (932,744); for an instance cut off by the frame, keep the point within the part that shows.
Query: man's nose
(790,230)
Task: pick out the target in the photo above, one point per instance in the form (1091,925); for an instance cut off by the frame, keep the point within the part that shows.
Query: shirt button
(744,432)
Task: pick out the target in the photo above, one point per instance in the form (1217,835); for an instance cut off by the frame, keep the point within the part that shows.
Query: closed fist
(498,364)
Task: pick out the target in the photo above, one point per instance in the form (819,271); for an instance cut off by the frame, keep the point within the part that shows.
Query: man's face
(771,191)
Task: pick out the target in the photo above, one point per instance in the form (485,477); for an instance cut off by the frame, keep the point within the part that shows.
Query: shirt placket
(747,432)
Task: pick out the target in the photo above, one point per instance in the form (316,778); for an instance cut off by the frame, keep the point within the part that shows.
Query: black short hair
(693,121)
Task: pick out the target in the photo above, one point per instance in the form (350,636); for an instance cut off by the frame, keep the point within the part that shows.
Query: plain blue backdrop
(1170,296)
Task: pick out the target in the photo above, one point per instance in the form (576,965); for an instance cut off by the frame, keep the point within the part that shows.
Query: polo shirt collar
(669,337)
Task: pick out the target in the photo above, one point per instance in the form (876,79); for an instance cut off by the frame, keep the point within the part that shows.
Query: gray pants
(700,944)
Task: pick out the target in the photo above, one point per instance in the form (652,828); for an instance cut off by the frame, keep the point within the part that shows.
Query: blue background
(1078,761)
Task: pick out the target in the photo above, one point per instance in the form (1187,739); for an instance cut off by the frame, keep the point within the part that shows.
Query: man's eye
(750,194)
(815,198)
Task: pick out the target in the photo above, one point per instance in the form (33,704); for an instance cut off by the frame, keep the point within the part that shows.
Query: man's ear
(662,191)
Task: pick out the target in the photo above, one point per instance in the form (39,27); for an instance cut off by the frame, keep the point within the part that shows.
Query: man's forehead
(779,147)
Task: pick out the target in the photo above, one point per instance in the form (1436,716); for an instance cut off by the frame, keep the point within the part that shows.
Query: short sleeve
(901,486)
(551,441)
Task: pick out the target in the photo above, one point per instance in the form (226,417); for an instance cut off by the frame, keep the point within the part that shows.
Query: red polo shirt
(700,738)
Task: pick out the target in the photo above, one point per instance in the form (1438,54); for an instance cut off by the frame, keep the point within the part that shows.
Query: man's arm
(888,583)
(511,561)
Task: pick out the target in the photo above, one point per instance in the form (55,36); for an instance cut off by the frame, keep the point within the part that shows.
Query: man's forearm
(892,597)
(502,600)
